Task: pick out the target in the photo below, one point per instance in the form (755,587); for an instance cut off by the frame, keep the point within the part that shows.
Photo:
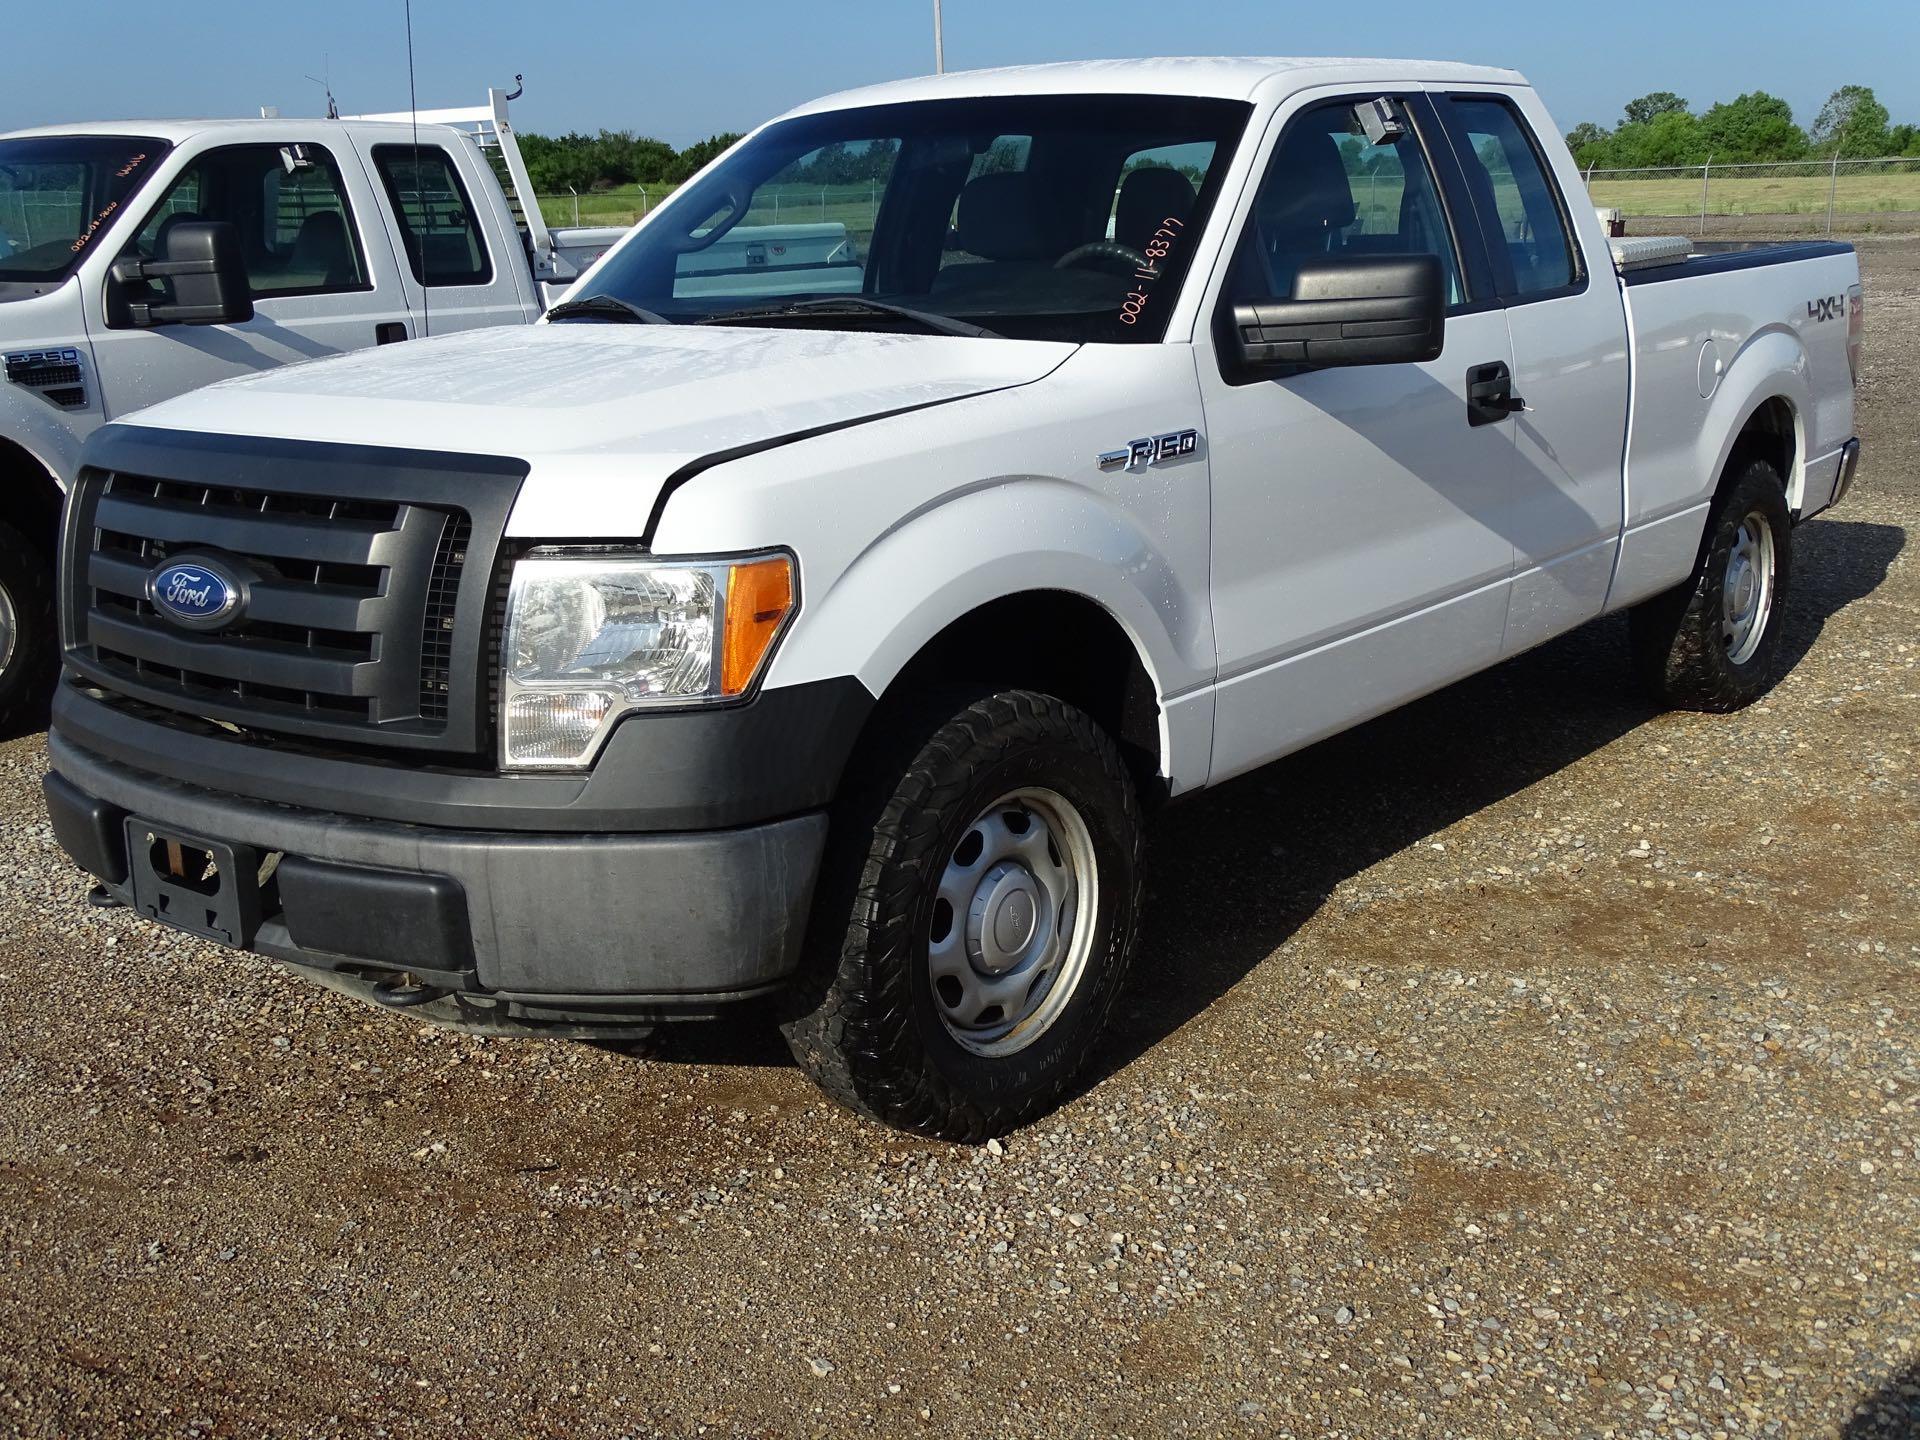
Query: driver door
(321,284)
(1361,555)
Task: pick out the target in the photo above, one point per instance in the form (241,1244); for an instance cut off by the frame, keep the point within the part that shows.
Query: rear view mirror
(1356,310)
(203,261)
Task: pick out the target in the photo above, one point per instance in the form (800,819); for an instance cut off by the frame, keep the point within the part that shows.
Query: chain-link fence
(853,206)
(1807,195)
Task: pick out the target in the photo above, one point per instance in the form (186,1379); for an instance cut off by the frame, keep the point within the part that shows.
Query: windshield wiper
(831,305)
(607,307)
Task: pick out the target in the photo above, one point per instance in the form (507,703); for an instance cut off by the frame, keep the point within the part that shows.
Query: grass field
(1743,193)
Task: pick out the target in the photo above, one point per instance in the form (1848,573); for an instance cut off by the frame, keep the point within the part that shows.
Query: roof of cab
(176,131)
(1225,77)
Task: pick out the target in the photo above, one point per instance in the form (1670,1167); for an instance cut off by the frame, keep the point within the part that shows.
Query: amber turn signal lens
(759,597)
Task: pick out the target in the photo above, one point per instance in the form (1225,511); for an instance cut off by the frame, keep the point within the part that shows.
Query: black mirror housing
(1352,310)
(209,278)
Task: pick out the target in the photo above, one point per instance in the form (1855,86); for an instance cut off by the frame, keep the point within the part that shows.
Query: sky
(682,70)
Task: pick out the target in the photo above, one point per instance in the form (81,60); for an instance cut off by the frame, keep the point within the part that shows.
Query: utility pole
(939,42)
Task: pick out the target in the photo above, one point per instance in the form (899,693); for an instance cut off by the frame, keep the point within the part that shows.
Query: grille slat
(259,661)
(230,528)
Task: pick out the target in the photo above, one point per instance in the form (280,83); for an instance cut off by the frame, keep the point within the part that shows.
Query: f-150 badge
(1152,450)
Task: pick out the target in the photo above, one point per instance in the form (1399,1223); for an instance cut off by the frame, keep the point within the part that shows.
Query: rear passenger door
(459,274)
(1570,361)
(317,258)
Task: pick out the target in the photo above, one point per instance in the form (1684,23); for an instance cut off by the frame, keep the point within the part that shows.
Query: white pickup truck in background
(818,622)
(340,240)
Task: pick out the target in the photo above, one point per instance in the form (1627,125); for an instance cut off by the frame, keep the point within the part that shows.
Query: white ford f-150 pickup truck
(819,628)
(143,259)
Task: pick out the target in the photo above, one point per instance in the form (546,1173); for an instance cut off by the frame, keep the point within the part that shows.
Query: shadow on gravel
(1234,872)
(1890,1413)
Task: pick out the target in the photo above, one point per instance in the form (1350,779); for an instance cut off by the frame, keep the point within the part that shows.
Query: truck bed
(1702,329)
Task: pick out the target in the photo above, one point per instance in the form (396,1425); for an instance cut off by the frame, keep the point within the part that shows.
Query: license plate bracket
(205,887)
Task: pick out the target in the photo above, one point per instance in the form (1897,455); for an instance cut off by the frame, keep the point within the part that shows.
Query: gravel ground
(1526,1063)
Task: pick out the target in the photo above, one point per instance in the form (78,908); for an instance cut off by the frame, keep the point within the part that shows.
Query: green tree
(696,156)
(1647,107)
(1757,126)
(1588,142)
(1671,137)
(1852,124)
(1904,140)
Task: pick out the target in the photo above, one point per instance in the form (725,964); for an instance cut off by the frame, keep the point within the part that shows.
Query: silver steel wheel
(9,629)
(1746,593)
(1013,922)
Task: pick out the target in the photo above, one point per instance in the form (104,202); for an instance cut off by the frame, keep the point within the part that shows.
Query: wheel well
(1059,643)
(1769,435)
(30,498)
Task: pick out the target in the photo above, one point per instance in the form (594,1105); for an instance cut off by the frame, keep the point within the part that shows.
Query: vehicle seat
(1148,198)
(322,252)
(1303,206)
(1003,217)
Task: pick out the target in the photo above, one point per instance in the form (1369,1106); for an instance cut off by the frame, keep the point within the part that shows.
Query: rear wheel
(1713,643)
(975,916)
(27,651)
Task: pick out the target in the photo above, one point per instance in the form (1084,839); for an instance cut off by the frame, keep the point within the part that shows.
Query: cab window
(437,223)
(1329,191)
(289,207)
(1520,210)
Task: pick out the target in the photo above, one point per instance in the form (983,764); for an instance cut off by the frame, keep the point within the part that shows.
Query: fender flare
(1772,365)
(1066,541)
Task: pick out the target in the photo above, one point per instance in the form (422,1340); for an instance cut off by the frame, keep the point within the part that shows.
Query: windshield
(58,193)
(1060,217)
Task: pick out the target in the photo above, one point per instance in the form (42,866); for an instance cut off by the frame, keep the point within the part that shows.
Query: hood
(587,398)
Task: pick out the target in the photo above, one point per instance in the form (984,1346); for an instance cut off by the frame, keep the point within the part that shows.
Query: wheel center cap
(1006,914)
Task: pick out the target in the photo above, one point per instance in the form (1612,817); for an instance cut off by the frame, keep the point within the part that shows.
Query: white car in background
(288,240)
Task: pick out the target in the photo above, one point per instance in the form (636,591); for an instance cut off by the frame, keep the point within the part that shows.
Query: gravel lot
(1525,1063)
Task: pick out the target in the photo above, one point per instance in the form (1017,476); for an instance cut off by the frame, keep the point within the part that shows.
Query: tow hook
(405,990)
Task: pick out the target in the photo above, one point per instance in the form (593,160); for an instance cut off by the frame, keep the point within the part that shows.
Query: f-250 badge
(1152,450)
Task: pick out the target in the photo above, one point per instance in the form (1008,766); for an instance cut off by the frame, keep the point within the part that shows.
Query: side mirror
(1356,310)
(209,278)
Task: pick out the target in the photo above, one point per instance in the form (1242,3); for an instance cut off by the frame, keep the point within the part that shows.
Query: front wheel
(1713,643)
(975,915)
(27,650)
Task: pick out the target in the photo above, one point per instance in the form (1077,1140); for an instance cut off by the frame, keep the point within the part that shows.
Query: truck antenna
(325,81)
(419,197)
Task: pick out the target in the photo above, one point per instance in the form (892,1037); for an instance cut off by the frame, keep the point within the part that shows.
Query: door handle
(1490,397)
(388,332)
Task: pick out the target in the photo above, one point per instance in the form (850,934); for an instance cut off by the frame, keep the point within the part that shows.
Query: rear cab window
(1521,210)
(438,226)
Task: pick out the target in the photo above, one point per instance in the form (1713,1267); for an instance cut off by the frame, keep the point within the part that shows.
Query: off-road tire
(27,671)
(1679,653)
(863,1022)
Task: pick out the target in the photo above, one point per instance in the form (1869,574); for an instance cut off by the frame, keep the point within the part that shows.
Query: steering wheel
(1103,253)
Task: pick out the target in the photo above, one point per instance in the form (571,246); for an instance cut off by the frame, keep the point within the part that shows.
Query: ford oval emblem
(195,593)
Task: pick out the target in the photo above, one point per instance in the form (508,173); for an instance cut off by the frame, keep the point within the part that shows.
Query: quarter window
(1328,191)
(437,222)
(1526,224)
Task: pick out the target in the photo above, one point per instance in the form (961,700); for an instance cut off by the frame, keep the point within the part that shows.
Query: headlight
(591,638)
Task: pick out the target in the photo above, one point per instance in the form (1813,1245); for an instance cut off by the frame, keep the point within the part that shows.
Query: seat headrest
(1003,216)
(1307,190)
(1148,198)
(167,226)
(322,244)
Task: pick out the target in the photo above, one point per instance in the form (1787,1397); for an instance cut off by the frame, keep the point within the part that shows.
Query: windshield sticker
(1159,246)
(93,226)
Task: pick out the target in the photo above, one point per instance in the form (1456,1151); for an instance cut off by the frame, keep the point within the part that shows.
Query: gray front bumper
(595,920)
